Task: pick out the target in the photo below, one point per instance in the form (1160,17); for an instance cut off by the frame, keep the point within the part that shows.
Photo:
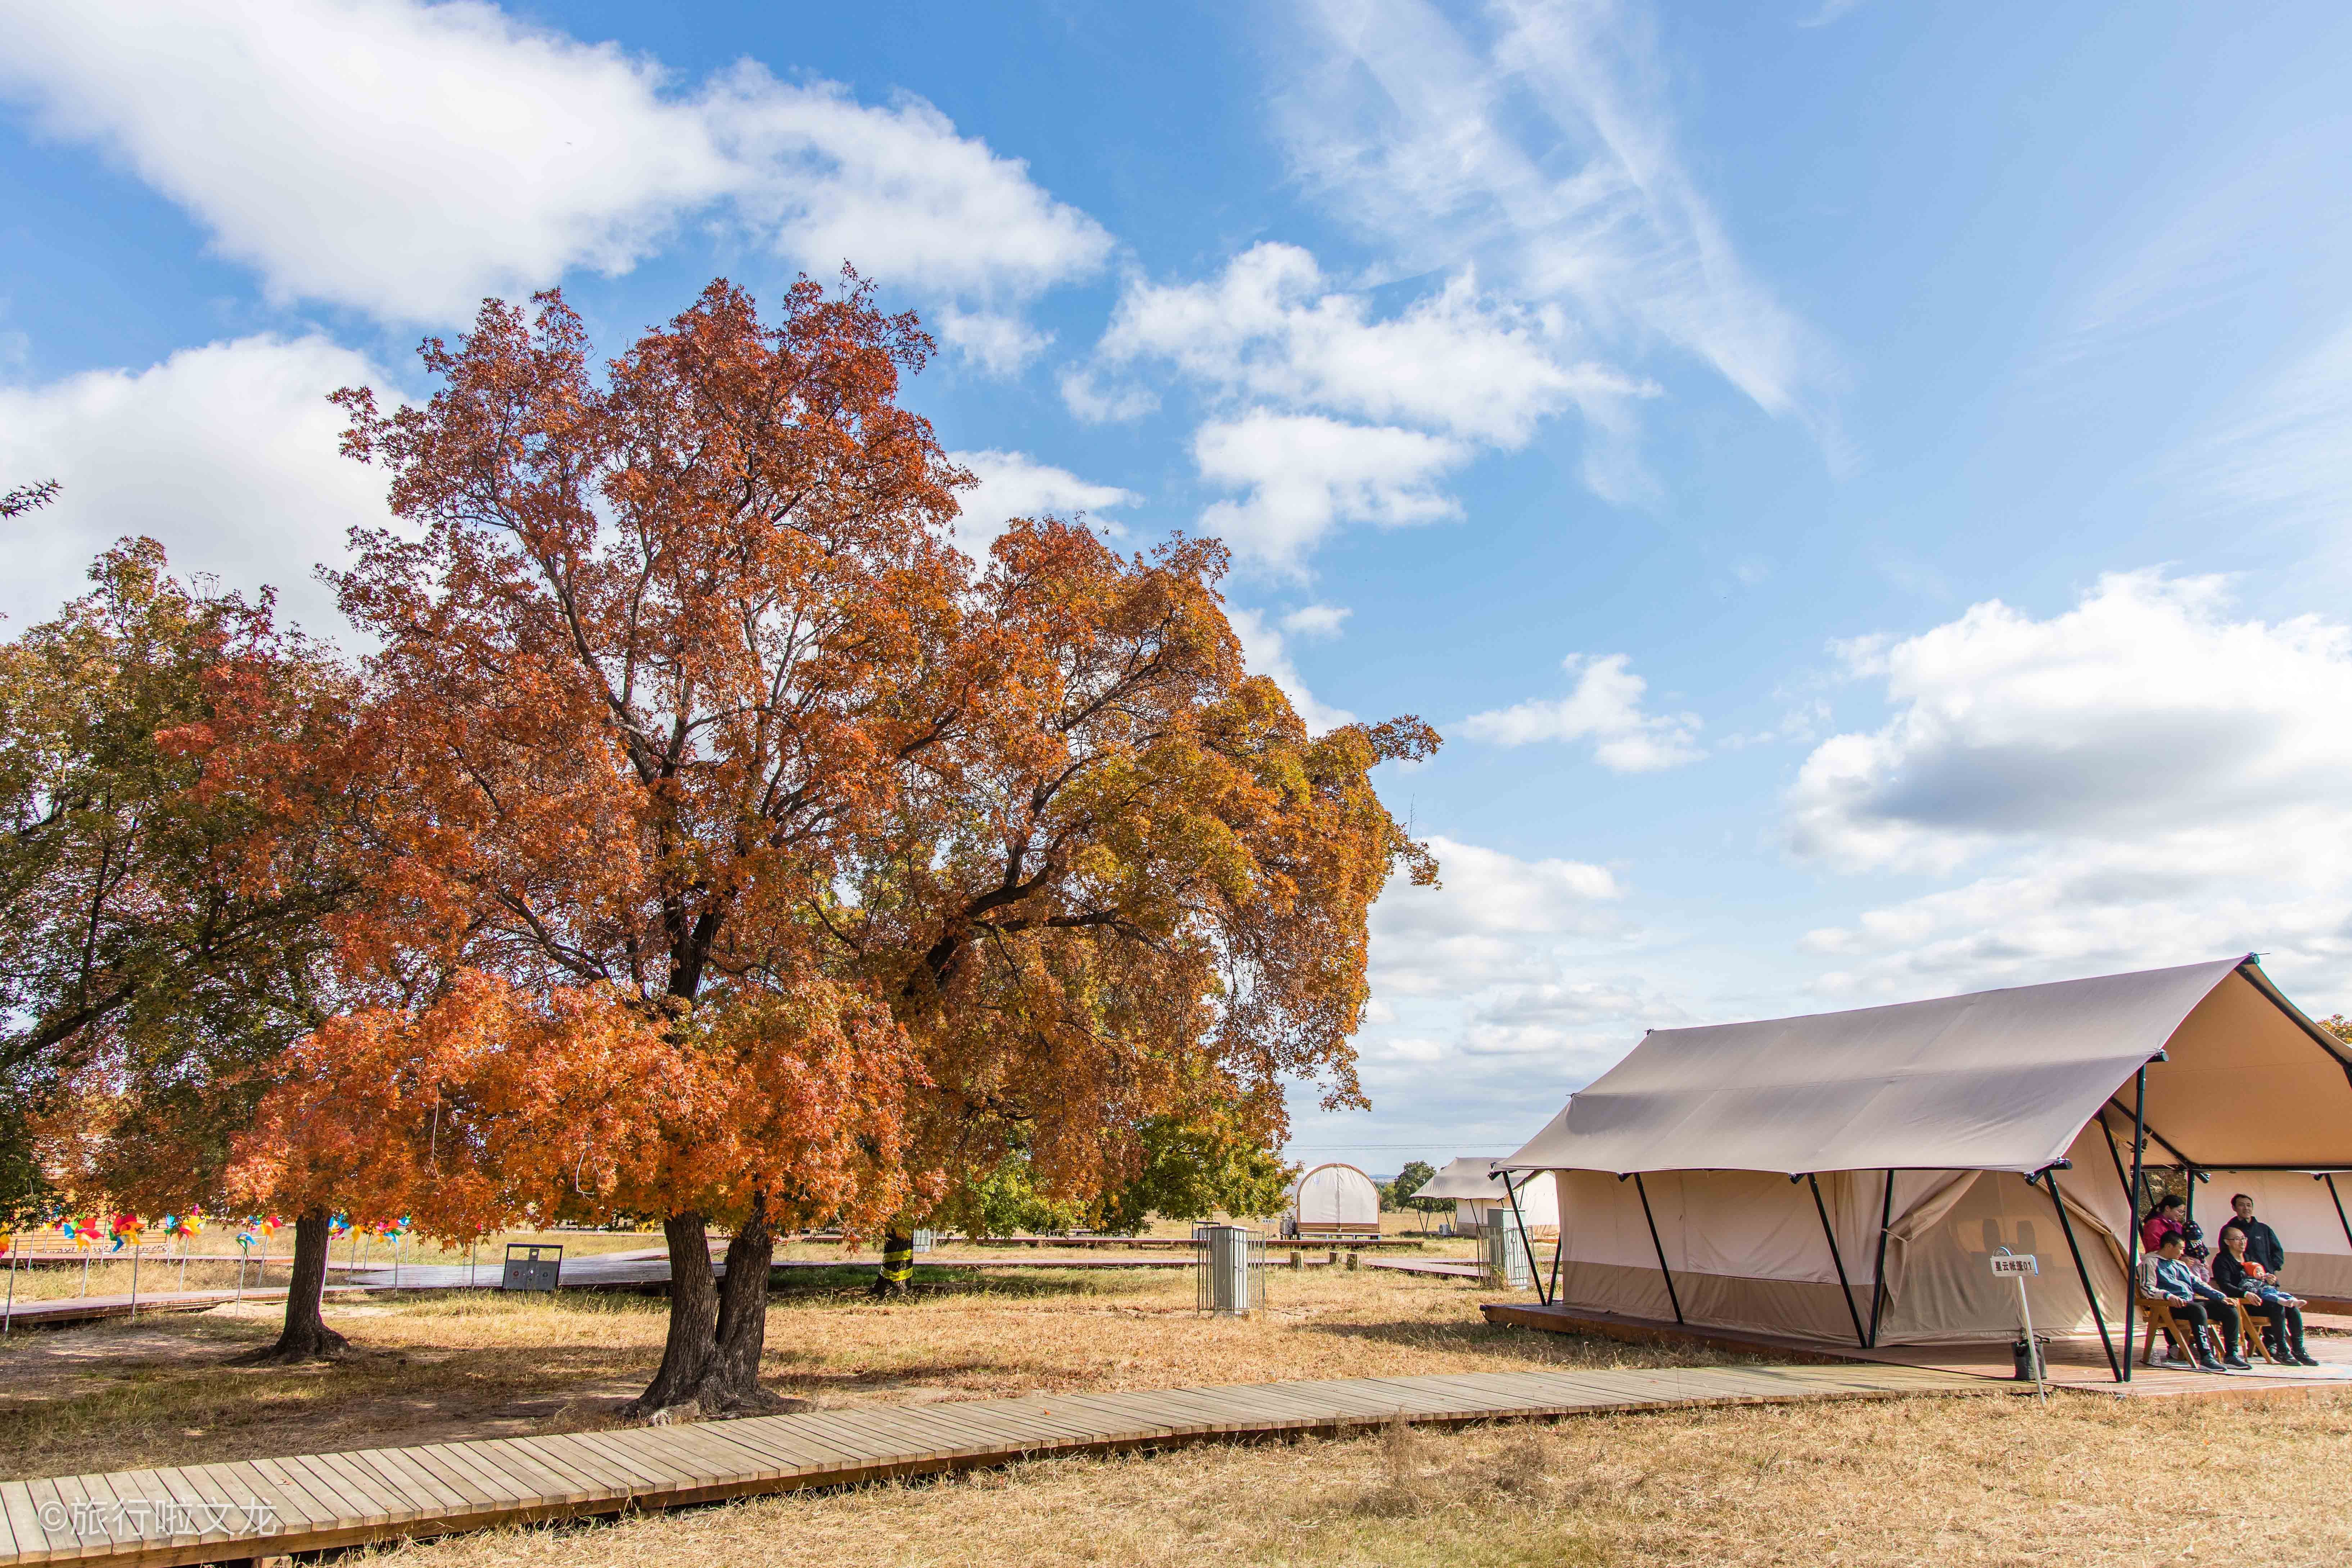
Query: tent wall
(1747,1252)
(1538,1206)
(2296,1205)
(1334,1200)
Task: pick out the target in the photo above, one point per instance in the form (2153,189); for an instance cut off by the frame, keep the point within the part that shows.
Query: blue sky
(1860,486)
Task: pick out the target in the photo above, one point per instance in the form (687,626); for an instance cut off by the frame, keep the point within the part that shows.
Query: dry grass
(1961,1481)
(442,1365)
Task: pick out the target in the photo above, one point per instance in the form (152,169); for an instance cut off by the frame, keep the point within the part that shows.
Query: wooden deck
(228,1512)
(2076,1361)
(1451,1268)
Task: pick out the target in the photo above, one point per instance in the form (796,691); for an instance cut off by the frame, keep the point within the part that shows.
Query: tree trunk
(730,1385)
(897,1262)
(305,1336)
(693,1312)
(711,1364)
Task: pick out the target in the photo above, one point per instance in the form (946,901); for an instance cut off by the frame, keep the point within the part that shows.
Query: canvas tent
(1478,1197)
(1335,1200)
(1843,1178)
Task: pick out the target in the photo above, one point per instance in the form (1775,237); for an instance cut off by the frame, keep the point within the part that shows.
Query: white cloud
(1510,957)
(226,454)
(1317,620)
(1267,653)
(1274,329)
(1536,141)
(2141,780)
(407,160)
(1306,475)
(1013,484)
(897,192)
(1606,708)
(1097,403)
(999,344)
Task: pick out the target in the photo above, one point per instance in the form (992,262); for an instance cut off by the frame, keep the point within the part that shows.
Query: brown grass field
(1957,1480)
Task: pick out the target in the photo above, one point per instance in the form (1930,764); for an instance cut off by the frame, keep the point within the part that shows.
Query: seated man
(2262,1243)
(2166,1278)
(2238,1276)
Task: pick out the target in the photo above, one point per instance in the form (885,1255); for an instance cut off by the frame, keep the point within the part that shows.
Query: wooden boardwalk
(2076,1360)
(228,1512)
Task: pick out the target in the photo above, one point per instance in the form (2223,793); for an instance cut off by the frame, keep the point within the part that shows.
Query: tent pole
(1672,1299)
(2170,1148)
(2131,1253)
(1535,1275)
(1830,1235)
(2121,1179)
(2330,1177)
(2059,1202)
(1878,1275)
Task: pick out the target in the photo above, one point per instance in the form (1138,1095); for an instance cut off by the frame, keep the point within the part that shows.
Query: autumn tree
(28,497)
(1128,891)
(655,646)
(167,927)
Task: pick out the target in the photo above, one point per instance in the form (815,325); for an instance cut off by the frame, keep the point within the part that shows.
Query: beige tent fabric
(1997,1080)
(1962,1098)
(1746,1251)
(1334,1199)
(1467,1177)
(1478,1197)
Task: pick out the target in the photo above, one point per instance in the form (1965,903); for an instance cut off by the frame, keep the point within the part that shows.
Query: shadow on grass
(1535,1347)
(852,1282)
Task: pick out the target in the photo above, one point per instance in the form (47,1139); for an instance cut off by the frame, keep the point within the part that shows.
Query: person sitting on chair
(2263,1243)
(2166,1218)
(2166,1278)
(2237,1275)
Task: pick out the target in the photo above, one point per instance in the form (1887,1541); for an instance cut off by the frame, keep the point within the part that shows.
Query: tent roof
(1997,1081)
(1463,1178)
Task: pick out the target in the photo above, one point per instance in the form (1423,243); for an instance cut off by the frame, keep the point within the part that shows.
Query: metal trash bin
(1503,1251)
(533,1266)
(1229,1264)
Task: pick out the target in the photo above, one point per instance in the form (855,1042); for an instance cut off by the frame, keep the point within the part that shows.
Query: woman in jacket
(2168,1218)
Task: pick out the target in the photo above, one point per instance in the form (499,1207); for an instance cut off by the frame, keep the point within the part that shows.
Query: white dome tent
(1335,1200)
(1478,1197)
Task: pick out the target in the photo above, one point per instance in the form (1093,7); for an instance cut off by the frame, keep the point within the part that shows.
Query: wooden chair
(2157,1313)
(2252,1325)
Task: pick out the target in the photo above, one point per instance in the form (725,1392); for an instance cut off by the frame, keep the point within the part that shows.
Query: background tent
(1844,1177)
(1336,1200)
(1477,1197)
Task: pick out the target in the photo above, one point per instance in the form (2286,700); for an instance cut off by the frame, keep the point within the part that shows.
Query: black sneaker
(2237,1363)
(2302,1360)
(2206,1363)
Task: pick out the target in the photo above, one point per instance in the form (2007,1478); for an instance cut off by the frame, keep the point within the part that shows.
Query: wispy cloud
(1536,142)
(2283,452)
